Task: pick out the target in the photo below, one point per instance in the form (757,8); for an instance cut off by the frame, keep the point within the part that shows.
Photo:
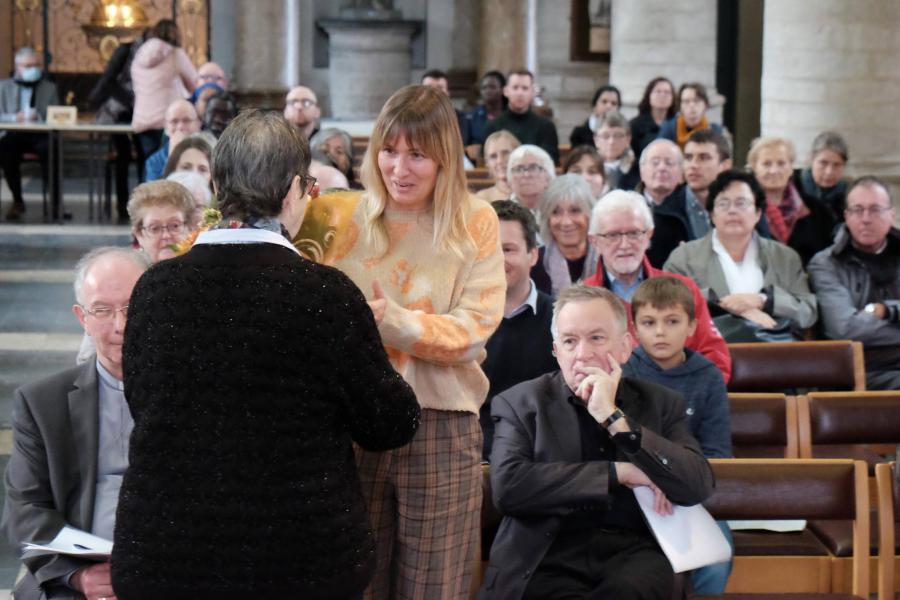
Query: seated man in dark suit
(520,349)
(569,447)
(70,439)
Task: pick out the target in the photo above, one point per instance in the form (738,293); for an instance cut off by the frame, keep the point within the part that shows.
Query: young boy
(663,311)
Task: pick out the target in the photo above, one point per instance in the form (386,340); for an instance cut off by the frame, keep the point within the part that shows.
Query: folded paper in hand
(689,537)
(73,542)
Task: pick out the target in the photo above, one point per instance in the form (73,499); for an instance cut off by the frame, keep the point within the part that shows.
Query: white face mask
(31,74)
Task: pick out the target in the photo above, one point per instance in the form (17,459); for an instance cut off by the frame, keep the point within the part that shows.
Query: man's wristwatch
(615,416)
(870,308)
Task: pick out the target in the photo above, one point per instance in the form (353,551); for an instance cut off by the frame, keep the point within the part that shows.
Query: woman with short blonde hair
(427,255)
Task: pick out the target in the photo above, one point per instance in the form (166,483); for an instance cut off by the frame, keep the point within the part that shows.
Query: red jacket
(706,340)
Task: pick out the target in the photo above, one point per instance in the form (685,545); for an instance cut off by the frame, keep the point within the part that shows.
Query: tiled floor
(39,335)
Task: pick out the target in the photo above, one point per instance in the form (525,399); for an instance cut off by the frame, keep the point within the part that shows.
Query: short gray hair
(87,261)
(658,142)
(614,118)
(831,140)
(569,187)
(537,152)
(620,201)
(323,135)
(583,293)
(25,52)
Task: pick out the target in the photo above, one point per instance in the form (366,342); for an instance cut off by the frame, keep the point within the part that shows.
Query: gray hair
(88,260)
(614,118)
(569,187)
(323,135)
(620,201)
(194,182)
(831,140)
(537,152)
(584,293)
(660,142)
(25,52)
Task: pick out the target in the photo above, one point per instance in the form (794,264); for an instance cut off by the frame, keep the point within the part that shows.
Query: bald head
(212,73)
(181,118)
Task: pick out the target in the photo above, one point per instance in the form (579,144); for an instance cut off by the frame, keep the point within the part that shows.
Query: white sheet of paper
(689,537)
(782,526)
(73,542)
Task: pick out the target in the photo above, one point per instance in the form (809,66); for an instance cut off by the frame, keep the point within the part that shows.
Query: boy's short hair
(662,292)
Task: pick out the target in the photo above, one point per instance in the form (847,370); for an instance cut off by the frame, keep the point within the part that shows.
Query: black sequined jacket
(248,371)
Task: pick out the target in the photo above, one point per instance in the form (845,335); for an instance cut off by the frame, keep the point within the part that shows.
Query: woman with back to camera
(249,371)
(427,255)
(656,106)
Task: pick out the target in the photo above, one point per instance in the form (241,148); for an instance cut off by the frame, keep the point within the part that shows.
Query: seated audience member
(201,96)
(327,176)
(677,217)
(520,120)
(438,80)
(529,171)
(741,273)
(181,121)
(70,438)
(161,215)
(857,281)
(663,313)
(520,349)
(606,98)
(566,256)
(492,104)
(823,181)
(803,224)
(692,105)
(199,188)
(587,162)
(211,72)
(621,228)
(613,139)
(706,154)
(337,145)
(23,98)
(193,153)
(301,108)
(569,447)
(221,109)
(656,106)
(497,148)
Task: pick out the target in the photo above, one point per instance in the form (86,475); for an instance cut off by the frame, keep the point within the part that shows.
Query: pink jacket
(160,74)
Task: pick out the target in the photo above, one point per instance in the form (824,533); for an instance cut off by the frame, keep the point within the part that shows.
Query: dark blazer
(538,476)
(52,472)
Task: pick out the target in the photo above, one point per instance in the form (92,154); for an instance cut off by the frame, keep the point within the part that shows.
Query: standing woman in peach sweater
(427,255)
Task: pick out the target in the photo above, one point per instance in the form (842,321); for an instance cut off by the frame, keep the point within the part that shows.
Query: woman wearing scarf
(692,104)
(823,181)
(802,223)
(567,257)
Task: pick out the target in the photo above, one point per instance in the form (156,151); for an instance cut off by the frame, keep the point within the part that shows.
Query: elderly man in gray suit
(569,447)
(24,98)
(70,439)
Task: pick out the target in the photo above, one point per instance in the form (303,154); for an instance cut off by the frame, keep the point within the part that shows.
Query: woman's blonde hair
(767,143)
(160,193)
(426,120)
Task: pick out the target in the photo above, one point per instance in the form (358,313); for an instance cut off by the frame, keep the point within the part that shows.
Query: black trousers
(13,146)
(601,564)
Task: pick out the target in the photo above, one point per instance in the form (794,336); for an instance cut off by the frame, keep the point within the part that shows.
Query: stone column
(266,51)
(368,61)
(660,37)
(503,35)
(835,65)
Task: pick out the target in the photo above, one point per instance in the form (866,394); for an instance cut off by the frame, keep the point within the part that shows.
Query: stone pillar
(265,44)
(503,35)
(660,37)
(835,65)
(368,61)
